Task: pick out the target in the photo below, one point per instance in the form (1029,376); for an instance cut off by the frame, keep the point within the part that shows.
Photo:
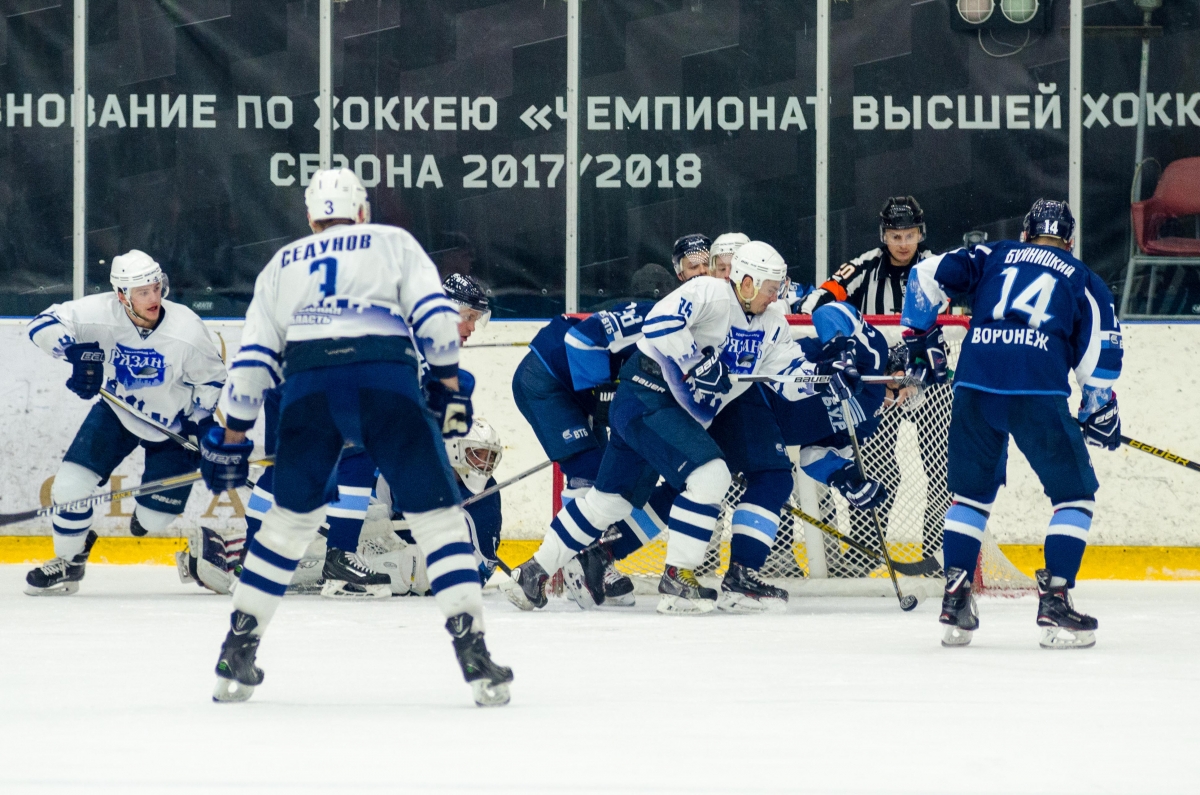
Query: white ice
(109,691)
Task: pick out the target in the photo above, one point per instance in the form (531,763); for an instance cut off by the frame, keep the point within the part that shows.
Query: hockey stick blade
(116,401)
(153,487)
(923,568)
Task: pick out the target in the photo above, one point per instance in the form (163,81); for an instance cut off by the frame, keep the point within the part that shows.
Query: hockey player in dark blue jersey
(1039,313)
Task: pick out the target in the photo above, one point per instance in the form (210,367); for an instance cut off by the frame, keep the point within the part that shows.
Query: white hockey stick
(899,380)
(490,490)
(496,345)
(116,401)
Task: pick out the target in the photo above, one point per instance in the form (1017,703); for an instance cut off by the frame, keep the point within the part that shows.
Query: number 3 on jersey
(1032,301)
(328,265)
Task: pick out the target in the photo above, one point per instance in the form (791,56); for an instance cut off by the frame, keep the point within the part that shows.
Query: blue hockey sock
(580,470)
(1066,539)
(356,477)
(646,523)
(963,536)
(756,518)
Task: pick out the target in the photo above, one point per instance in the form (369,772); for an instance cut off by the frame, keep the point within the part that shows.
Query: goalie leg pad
(443,537)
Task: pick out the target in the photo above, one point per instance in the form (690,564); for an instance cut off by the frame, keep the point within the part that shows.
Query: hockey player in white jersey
(670,391)
(153,354)
(337,313)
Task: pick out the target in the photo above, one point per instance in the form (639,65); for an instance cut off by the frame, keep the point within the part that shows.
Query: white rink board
(108,691)
(1142,501)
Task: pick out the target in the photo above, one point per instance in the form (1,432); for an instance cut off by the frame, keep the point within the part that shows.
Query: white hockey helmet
(136,269)
(337,193)
(728,243)
(475,456)
(761,262)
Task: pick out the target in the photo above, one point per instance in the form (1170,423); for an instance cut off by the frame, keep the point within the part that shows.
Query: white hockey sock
(152,520)
(271,561)
(72,482)
(578,524)
(444,538)
(691,525)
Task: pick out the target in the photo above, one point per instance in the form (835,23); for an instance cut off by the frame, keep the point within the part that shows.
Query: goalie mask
(336,193)
(475,456)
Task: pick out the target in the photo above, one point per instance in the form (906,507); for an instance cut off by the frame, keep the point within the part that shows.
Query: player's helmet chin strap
(127,304)
(746,302)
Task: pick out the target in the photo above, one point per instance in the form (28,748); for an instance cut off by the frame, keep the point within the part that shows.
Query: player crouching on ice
(1039,313)
(333,312)
(670,391)
(158,358)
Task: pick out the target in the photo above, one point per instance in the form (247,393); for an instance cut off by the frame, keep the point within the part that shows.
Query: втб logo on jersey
(741,349)
(138,368)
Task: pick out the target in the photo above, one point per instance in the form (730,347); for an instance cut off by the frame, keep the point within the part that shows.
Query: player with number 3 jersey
(1039,314)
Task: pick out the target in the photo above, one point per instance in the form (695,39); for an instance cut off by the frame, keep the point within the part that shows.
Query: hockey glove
(710,376)
(1102,428)
(604,398)
(224,466)
(861,493)
(837,362)
(88,375)
(927,355)
(194,431)
(452,410)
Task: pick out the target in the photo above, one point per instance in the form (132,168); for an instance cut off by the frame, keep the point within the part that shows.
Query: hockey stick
(925,567)
(906,602)
(153,487)
(116,401)
(490,490)
(1157,452)
(496,345)
(897,380)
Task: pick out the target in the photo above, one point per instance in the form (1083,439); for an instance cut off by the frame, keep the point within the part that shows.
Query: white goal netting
(908,455)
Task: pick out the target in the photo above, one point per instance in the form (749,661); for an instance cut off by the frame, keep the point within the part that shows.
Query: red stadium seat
(1177,195)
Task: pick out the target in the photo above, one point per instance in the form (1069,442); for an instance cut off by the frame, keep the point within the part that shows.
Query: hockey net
(907,453)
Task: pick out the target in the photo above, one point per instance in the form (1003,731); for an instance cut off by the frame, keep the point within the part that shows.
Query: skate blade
(182,567)
(487,694)
(740,603)
(340,589)
(1062,638)
(62,589)
(624,600)
(231,691)
(669,604)
(516,594)
(956,636)
(574,580)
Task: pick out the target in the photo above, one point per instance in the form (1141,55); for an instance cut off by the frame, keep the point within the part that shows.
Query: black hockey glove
(837,362)
(88,374)
(710,376)
(604,398)
(224,466)
(452,410)
(863,494)
(927,355)
(1102,428)
(194,432)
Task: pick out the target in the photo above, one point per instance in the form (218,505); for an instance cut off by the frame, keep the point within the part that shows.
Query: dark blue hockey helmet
(1051,218)
(466,291)
(688,245)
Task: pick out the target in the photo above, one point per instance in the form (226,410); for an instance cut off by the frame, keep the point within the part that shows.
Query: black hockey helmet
(687,245)
(901,212)
(466,291)
(1051,218)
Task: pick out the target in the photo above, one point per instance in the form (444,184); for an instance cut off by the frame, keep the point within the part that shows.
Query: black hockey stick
(906,602)
(186,443)
(924,568)
(1158,452)
(153,487)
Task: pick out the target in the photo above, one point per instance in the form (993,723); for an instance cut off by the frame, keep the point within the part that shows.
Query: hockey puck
(908,603)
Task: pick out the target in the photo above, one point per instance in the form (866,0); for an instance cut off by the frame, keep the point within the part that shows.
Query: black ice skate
(682,593)
(60,577)
(744,591)
(526,586)
(584,576)
(347,576)
(959,613)
(135,527)
(1063,627)
(618,589)
(489,681)
(237,675)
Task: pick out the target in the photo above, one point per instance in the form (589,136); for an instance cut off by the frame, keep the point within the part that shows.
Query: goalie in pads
(1039,313)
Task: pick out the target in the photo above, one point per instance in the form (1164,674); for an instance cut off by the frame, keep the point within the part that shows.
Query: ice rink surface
(109,691)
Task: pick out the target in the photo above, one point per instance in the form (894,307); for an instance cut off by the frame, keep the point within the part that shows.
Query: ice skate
(618,589)
(683,594)
(135,527)
(744,591)
(959,612)
(1063,627)
(583,575)
(237,675)
(489,681)
(60,577)
(526,586)
(347,576)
